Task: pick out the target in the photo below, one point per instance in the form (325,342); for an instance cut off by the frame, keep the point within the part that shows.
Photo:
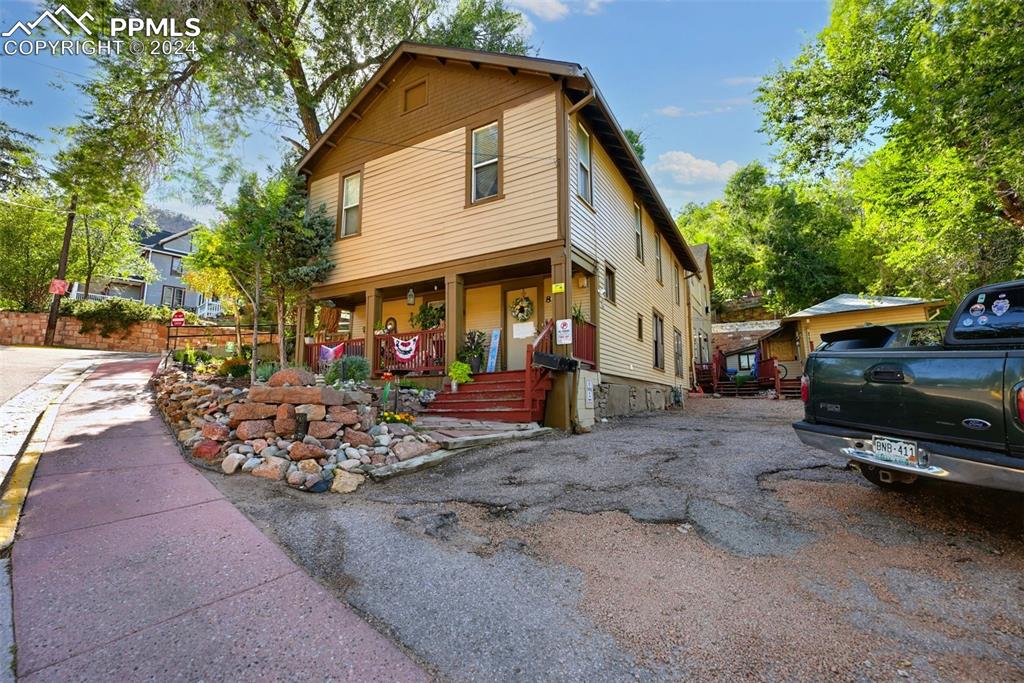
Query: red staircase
(509,396)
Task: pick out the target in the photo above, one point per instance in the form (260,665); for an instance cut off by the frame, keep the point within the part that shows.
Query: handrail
(531,374)
(545,332)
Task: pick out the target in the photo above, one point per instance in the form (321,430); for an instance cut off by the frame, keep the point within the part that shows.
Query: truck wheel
(887,479)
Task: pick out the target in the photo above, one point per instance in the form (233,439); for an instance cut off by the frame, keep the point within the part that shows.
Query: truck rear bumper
(952,463)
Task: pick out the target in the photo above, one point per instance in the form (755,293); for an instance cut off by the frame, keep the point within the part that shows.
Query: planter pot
(455,387)
(475,363)
(309,340)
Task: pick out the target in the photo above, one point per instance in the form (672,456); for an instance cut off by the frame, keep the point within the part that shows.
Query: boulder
(350,464)
(206,450)
(342,415)
(323,430)
(272,468)
(405,450)
(233,462)
(311,480)
(251,464)
(357,438)
(309,466)
(346,482)
(296,478)
(399,429)
(295,377)
(312,411)
(285,426)
(258,445)
(216,432)
(298,395)
(250,411)
(305,451)
(253,429)
(187,434)
(285,411)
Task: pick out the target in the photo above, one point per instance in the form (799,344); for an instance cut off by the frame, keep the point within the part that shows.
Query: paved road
(705,545)
(129,565)
(21,366)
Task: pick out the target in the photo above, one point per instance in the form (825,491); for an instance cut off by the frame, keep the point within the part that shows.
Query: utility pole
(62,268)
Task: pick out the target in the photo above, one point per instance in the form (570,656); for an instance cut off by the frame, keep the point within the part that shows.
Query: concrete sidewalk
(129,565)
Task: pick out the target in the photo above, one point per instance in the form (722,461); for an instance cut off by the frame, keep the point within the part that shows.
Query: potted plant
(473,349)
(459,373)
(428,316)
(578,314)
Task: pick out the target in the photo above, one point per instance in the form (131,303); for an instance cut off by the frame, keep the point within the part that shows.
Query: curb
(13,499)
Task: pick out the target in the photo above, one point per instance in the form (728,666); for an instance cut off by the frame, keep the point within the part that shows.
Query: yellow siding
(483,308)
(606,235)
(700,301)
(414,200)
(581,296)
(359,322)
(812,328)
(324,192)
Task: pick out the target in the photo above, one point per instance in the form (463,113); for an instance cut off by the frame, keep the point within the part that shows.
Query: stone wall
(145,337)
(615,397)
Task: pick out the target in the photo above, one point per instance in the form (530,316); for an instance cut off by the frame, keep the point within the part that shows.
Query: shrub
(116,315)
(348,368)
(392,417)
(265,370)
(191,356)
(460,372)
(427,317)
(234,367)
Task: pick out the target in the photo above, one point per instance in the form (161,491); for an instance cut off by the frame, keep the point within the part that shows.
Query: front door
(518,338)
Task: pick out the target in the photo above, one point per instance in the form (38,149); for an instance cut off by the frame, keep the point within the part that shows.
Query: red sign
(178,319)
(59,287)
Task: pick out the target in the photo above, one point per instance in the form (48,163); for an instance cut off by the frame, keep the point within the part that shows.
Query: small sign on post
(563,331)
(58,287)
(178,319)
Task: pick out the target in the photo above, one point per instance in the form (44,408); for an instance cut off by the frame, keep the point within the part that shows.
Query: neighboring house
(800,333)
(739,341)
(701,284)
(473,179)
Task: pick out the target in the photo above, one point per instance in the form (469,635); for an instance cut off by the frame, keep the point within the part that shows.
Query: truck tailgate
(955,396)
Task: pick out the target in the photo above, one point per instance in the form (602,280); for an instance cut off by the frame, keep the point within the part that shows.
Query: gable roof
(846,303)
(577,83)
(702,252)
(170,226)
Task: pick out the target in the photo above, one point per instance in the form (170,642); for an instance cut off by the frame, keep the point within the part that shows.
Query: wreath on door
(522,308)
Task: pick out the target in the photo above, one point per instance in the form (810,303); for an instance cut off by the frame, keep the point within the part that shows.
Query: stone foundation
(617,397)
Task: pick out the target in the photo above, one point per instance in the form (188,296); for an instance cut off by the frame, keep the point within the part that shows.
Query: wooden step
(499,414)
(466,403)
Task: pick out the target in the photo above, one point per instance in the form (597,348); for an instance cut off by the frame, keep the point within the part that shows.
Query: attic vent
(415,96)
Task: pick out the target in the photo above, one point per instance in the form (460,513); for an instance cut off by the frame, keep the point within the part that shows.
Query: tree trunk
(255,328)
(282,351)
(88,284)
(238,332)
(1012,203)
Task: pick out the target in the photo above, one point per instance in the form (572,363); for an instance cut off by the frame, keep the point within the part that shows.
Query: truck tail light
(1020,404)
(805,391)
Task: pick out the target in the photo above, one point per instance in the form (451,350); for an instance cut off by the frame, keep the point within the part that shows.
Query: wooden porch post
(557,408)
(374,300)
(454,316)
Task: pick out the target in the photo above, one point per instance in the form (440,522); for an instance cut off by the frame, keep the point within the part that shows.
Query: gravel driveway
(702,544)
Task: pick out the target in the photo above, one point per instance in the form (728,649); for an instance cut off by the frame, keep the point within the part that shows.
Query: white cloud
(686,169)
(742,80)
(674,112)
(594,6)
(548,10)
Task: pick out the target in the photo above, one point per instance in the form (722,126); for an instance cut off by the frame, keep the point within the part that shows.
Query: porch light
(410,297)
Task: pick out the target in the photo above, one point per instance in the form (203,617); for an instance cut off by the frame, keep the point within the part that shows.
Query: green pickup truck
(949,410)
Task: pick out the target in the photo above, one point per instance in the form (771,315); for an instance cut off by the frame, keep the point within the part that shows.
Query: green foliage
(474,345)
(234,367)
(427,317)
(635,139)
(348,368)
(578,314)
(192,356)
(115,314)
(264,370)
(460,372)
(31,232)
(18,166)
(930,76)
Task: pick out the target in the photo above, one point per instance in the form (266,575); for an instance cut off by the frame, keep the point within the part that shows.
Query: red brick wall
(145,337)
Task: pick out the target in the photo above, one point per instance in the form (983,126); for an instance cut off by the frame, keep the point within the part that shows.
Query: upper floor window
(678,352)
(659,340)
(175,265)
(657,257)
(584,172)
(415,96)
(351,194)
(486,142)
(675,279)
(609,283)
(638,232)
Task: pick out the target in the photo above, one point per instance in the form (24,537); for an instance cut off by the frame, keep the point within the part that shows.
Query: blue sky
(681,71)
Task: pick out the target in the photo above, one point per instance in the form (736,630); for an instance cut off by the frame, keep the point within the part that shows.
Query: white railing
(209,309)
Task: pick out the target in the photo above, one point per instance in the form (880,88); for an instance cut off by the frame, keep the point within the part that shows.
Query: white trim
(345,207)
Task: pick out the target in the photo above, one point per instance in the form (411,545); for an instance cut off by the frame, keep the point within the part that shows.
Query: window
(639,327)
(584,172)
(677,337)
(675,275)
(638,230)
(659,341)
(415,96)
(609,283)
(486,142)
(350,196)
(175,265)
(745,361)
(657,257)
(172,297)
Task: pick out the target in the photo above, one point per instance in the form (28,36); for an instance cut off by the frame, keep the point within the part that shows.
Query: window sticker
(981,298)
(967,321)
(1000,306)
(983,320)
(977,309)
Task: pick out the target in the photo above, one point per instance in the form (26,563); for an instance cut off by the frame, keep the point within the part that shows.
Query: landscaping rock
(304,451)
(251,464)
(358,438)
(272,468)
(206,450)
(298,395)
(240,412)
(346,482)
(382,440)
(295,377)
(311,440)
(342,415)
(233,462)
(350,464)
(404,450)
(399,429)
(253,429)
(284,427)
(296,478)
(311,480)
(259,445)
(309,466)
(312,411)
(186,434)
(323,430)
(216,432)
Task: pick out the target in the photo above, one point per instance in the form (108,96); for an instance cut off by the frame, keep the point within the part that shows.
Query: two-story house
(701,284)
(503,189)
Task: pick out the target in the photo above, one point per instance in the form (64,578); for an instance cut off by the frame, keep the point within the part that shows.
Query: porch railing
(543,344)
(350,347)
(584,342)
(428,357)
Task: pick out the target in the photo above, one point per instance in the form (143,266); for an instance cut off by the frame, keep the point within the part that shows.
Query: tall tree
(110,246)
(931,75)
(31,231)
(17,149)
(635,139)
(217,283)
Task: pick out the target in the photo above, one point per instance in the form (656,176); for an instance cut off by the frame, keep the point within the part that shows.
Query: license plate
(896,451)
